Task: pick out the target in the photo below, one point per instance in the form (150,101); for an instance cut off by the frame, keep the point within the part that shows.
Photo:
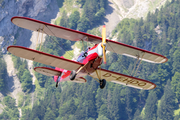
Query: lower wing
(44,58)
(52,72)
(124,79)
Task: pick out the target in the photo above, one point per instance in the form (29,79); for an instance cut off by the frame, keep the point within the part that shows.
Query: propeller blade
(104,42)
(104,34)
(104,55)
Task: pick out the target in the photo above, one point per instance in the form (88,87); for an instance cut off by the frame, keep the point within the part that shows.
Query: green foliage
(84,24)
(101,117)
(3,72)
(176,85)
(64,20)
(158,33)
(10,111)
(23,73)
(167,105)
(73,19)
(176,61)
(151,106)
(27,81)
(93,13)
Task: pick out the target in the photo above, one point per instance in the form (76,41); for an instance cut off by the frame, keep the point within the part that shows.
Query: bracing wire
(120,61)
(58,43)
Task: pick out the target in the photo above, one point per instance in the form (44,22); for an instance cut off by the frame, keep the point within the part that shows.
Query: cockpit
(83,55)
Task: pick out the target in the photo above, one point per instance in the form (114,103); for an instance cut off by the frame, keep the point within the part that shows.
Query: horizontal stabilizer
(47,71)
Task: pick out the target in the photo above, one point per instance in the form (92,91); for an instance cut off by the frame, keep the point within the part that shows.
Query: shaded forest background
(158,32)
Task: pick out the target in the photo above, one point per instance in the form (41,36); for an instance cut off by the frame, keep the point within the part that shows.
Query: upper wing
(73,35)
(124,79)
(44,58)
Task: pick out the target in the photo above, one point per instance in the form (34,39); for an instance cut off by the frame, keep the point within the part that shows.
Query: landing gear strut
(102,83)
(57,83)
(58,79)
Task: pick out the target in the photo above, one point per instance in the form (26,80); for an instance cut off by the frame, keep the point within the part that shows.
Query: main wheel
(72,75)
(102,83)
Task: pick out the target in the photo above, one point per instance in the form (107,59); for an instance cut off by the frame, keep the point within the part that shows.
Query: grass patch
(39,91)
(159,102)
(68,54)
(95,31)
(142,113)
(176,112)
(20,99)
(57,22)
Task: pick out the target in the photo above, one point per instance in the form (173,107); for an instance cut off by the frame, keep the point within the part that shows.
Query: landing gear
(58,79)
(102,83)
(57,83)
(72,75)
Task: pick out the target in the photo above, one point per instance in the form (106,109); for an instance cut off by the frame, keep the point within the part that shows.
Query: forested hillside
(3,72)
(159,32)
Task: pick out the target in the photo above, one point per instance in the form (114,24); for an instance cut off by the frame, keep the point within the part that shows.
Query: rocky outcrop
(120,9)
(43,10)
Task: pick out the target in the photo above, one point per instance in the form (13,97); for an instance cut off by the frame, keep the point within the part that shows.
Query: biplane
(88,62)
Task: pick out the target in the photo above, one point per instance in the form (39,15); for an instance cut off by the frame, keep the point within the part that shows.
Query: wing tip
(165,59)
(10,47)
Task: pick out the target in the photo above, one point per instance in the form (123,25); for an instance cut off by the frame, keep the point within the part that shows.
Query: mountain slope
(43,10)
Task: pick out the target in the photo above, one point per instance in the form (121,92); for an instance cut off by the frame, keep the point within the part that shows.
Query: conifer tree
(151,106)
(167,104)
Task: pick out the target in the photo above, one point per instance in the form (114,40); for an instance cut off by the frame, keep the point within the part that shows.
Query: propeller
(104,43)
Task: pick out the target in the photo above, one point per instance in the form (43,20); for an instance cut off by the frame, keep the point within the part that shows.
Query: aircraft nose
(100,50)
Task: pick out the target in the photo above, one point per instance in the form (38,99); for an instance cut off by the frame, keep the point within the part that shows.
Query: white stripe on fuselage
(97,50)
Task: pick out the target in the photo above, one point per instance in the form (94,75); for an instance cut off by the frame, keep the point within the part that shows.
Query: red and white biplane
(89,61)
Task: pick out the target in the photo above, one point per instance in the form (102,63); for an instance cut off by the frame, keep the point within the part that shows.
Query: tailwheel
(72,75)
(102,83)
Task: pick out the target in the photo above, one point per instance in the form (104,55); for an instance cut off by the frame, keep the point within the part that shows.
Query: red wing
(124,79)
(47,71)
(74,35)
(44,58)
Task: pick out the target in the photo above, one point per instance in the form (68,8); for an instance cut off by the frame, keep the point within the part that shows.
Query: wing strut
(137,66)
(41,38)
(37,37)
(37,41)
